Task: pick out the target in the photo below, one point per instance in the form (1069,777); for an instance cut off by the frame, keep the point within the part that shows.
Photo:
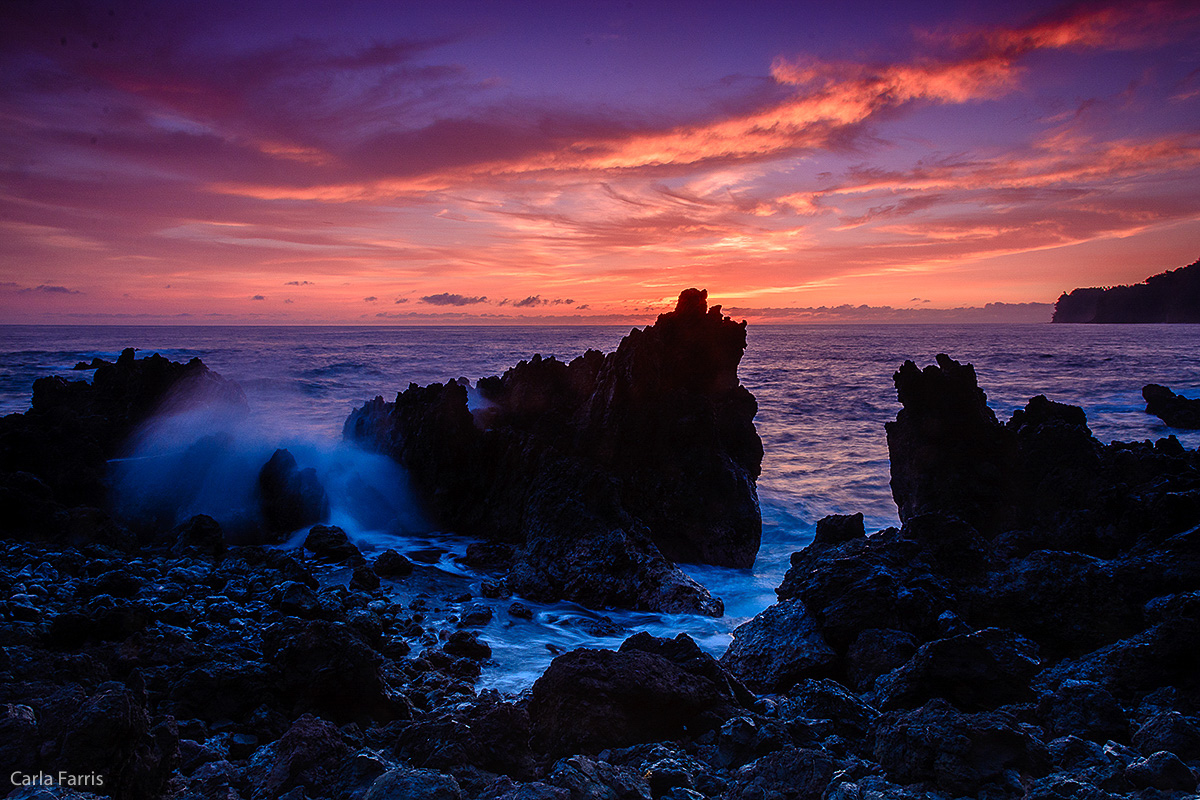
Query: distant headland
(1172,296)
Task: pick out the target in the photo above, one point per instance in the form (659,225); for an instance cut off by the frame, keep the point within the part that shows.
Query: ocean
(824,394)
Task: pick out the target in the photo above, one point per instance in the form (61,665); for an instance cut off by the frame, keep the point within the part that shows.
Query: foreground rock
(290,497)
(1174,410)
(1031,630)
(603,471)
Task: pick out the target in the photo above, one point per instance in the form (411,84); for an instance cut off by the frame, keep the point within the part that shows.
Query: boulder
(958,752)
(1174,410)
(779,647)
(588,700)
(488,734)
(1163,771)
(199,535)
(404,783)
(391,564)
(110,735)
(290,497)
(798,772)
(308,756)
(1071,601)
(328,669)
(1083,709)
(877,651)
(583,777)
(975,671)
(1170,731)
(330,543)
(467,644)
(848,714)
(647,456)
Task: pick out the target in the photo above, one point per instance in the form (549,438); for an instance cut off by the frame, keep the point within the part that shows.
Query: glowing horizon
(456,162)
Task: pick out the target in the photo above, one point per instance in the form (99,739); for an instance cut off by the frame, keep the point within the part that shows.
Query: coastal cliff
(1172,296)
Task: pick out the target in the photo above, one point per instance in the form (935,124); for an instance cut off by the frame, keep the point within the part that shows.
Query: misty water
(824,394)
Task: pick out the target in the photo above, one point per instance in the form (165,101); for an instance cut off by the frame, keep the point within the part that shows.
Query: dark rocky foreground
(1034,632)
(647,456)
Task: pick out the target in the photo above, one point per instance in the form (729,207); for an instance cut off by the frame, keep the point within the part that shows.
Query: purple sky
(424,162)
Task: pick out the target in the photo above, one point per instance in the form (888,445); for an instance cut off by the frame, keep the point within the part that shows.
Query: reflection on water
(824,394)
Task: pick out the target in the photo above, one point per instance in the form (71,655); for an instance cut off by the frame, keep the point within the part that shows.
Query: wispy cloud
(376,164)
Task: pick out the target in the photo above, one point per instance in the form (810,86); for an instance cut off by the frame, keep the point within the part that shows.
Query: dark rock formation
(948,451)
(779,646)
(1042,471)
(391,564)
(330,543)
(602,471)
(290,497)
(1049,657)
(1040,602)
(957,752)
(53,458)
(651,689)
(1174,410)
(1172,296)
(975,671)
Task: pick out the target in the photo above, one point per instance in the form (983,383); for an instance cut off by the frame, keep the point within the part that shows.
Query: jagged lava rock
(1042,472)
(778,647)
(290,497)
(958,752)
(948,452)
(55,454)
(602,471)
(1173,409)
(651,689)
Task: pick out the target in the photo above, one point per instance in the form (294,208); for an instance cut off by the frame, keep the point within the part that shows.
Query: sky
(483,161)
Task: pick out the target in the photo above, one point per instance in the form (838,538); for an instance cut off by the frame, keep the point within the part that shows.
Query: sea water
(824,393)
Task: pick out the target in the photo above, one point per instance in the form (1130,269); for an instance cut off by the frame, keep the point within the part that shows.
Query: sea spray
(205,458)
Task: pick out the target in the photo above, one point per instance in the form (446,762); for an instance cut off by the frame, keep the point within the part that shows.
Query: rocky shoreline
(1032,630)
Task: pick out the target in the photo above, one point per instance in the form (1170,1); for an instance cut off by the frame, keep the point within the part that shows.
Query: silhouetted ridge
(1172,296)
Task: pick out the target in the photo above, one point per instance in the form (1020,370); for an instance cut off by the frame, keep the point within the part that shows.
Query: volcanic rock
(778,647)
(309,755)
(290,497)
(588,700)
(645,456)
(948,452)
(391,564)
(975,671)
(958,752)
(54,456)
(330,543)
(1174,410)
(1086,710)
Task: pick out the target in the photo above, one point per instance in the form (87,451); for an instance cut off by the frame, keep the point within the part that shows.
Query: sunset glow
(476,162)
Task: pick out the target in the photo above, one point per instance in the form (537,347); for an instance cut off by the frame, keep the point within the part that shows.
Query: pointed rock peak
(692,301)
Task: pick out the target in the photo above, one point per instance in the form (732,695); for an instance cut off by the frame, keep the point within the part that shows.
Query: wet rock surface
(647,455)
(1174,410)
